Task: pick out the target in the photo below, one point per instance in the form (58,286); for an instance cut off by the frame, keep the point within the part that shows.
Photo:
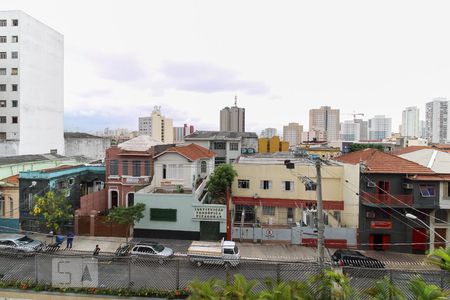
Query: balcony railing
(386,199)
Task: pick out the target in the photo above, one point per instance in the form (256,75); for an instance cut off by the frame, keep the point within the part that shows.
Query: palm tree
(205,290)
(240,289)
(424,291)
(385,290)
(440,257)
(280,291)
(331,285)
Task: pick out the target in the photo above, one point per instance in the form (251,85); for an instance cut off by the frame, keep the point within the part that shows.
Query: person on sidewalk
(70,237)
(96,250)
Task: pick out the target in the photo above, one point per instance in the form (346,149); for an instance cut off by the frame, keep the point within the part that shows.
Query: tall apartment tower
(363,129)
(436,121)
(380,127)
(157,126)
(232,118)
(292,133)
(410,122)
(327,120)
(180,132)
(351,131)
(31,86)
(268,133)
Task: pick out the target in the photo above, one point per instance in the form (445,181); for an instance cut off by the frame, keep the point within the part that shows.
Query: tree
(208,290)
(385,290)
(240,289)
(440,257)
(219,181)
(126,216)
(331,285)
(424,291)
(55,209)
(357,147)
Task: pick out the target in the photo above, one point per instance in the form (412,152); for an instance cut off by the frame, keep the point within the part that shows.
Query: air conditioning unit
(408,186)
(371,184)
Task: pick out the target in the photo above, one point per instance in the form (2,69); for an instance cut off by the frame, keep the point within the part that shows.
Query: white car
(19,243)
(154,250)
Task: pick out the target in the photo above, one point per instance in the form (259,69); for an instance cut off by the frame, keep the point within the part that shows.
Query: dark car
(353,258)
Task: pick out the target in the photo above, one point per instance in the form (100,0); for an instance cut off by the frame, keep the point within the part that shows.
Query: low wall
(94,201)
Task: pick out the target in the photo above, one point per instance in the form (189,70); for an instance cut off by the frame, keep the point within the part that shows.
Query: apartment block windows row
(14,71)
(3,103)
(14,87)
(14,120)
(4,23)
(14,55)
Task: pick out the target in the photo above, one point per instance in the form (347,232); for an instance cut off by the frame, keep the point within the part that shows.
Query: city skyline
(121,64)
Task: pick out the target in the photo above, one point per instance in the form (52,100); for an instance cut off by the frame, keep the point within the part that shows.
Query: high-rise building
(180,132)
(380,127)
(232,118)
(292,133)
(350,131)
(31,86)
(410,122)
(325,119)
(268,133)
(363,129)
(423,129)
(436,119)
(157,126)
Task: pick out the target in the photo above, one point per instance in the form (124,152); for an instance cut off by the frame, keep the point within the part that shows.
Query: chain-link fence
(109,271)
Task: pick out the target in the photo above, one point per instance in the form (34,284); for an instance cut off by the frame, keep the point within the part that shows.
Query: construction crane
(354,115)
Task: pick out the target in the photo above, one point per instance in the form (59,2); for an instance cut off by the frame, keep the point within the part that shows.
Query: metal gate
(209,231)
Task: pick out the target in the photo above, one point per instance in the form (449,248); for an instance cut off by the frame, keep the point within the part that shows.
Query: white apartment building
(31,86)
(327,120)
(350,131)
(268,133)
(410,122)
(292,133)
(380,127)
(363,129)
(157,126)
(436,121)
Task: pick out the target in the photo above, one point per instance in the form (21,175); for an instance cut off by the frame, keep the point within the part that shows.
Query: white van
(222,252)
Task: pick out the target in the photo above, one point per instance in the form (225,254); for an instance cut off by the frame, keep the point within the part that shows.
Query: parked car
(19,243)
(353,258)
(147,249)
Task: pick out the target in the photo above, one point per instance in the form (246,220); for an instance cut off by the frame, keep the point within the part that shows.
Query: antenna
(235,100)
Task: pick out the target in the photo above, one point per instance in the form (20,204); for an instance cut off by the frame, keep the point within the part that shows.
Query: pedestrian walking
(96,250)
(70,237)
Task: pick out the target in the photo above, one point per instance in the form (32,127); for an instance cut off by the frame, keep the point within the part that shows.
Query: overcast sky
(281,58)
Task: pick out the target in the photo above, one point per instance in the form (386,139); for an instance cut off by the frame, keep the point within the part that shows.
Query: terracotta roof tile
(410,149)
(380,162)
(12,179)
(191,152)
(59,168)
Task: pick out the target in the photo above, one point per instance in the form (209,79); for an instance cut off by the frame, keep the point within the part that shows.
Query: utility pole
(320,225)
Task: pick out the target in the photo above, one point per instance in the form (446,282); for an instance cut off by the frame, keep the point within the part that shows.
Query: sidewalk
(87,243)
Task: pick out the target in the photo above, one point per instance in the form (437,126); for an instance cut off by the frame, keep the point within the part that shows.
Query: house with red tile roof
(388,187)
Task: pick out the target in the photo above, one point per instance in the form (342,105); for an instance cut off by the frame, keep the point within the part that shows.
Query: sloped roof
(191,152)
(140,143)
(80,135)
(434,159)
(409,149)
(10,160)
(11,179)
(380,162)
(220,135)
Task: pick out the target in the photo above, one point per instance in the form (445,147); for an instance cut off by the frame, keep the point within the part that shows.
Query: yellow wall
(263,145)
(12,192)
(284,146)
(274,144)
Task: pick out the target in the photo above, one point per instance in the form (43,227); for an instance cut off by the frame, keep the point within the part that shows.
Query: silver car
(19,243)
(154,250)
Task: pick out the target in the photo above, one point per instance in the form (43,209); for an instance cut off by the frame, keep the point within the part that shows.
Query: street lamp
(415,218)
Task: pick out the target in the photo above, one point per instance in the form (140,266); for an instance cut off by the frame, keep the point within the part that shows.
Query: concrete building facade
(325,119)
(410,122)
(268,133)
(350,131)
(31,86)
(380,128)
(157,126)
(90,146)
(436,121)
(292,133)
(232,119)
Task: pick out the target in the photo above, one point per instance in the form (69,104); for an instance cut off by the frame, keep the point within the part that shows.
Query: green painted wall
(14,169)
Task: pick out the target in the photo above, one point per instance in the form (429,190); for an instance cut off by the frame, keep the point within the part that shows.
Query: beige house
(273,189)
(9,204)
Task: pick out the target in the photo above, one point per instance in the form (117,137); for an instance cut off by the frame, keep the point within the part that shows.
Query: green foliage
(385,290)
(440,257)
(331,286)
(357,147)
(219,181)
(54,208)
(207,290)
(424,291)
(240,289)
(126,215)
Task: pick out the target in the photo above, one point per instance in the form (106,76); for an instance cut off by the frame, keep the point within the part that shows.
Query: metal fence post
(130,285)
(278,273)
(36,274)
(178,274)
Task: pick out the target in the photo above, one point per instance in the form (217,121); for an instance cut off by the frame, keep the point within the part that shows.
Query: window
(14,39)
(441,216)
(14,54)
(15,22)
(124,167)
(130,199)
(2,23)
(161,214)
(2,55)
(71,181)
(113,168)
(203,167)
(2,71)
(383,187)
(269,210)
(288,185)
(11,207)
(243,183)
(2,119)
(228,251)
(2,87)
(136,168)
(164,171)
(147,168)
(3,39)
(14,87)
(2,103)
(2,206)
(15,120)
(310,186)
(219,145)
(427,190)
(14,103)
(234,146)
(265,184)
(14,71)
